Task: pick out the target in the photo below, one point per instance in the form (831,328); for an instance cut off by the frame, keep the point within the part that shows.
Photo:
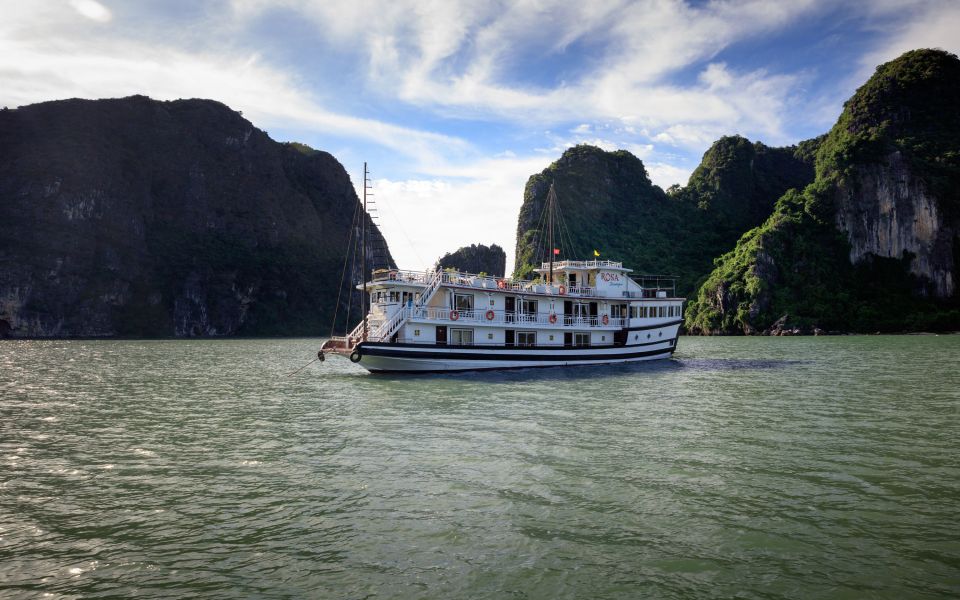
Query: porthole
(660,334)
(648,336)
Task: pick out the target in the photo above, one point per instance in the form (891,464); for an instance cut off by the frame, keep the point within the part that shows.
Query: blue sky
(455,103)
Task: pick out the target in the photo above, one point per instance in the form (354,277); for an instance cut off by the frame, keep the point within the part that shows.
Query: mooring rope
(292,373)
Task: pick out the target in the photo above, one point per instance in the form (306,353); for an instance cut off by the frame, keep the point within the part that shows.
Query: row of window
(651,312)
(379,297)
(464,337)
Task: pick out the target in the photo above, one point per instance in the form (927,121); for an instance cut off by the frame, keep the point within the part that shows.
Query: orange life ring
(606,320)
(490,315)
(454,315)
(563,290)
(501,284)
(552,318)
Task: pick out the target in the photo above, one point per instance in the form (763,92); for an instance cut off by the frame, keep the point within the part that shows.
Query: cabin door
(510,307)
(441,335)
(509,336)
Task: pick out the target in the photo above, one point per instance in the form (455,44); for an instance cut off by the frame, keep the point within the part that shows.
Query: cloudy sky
(454,103)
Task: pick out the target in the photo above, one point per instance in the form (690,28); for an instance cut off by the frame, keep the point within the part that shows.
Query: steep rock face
(887,210)
(476,258)
(137,217)
(872,243)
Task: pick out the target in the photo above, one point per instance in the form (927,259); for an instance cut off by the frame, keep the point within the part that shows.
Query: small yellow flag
(596,253)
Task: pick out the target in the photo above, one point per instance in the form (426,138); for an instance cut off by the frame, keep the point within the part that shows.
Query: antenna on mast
(363,245)
(551,199)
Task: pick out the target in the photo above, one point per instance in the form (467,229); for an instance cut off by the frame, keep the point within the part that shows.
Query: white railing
(485,282)
(583,264)
(652,285)
(403,276)
(500,317)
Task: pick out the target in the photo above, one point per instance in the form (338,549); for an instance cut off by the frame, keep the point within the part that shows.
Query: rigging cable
(343,273)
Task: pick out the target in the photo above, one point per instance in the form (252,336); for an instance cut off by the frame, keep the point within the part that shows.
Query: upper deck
(643,286)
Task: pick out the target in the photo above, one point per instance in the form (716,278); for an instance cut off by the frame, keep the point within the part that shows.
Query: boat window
(526,338)
(462,337)
(634,312)
(463,301)
(581,340)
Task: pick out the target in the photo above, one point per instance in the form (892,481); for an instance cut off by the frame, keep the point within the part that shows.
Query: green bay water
(744,467)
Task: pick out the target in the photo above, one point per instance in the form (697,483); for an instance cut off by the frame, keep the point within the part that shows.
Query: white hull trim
(378,358)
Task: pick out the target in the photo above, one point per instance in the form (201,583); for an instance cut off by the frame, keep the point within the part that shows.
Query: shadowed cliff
(133,217)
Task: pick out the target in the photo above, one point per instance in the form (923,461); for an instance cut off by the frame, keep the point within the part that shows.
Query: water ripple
(745,467)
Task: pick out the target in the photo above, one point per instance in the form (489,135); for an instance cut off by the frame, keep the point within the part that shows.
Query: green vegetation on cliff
(476,258)
(900,130)
(608,203)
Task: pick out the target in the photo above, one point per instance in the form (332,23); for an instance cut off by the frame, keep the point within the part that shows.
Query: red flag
(556,250)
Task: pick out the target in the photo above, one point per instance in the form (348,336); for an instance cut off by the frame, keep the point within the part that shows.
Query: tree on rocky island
(476,258)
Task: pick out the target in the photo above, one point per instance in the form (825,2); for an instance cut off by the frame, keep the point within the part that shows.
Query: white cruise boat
(589,312)
(576,312)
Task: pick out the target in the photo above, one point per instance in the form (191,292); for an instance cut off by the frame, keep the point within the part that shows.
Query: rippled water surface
(745,467)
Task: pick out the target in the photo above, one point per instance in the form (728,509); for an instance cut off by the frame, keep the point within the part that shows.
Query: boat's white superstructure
(575,313)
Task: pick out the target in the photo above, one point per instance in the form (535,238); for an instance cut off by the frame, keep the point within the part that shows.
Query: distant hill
(133,217)
(872,243)
(609,204)
(476,258)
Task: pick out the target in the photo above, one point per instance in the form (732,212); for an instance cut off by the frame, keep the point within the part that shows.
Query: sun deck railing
(583,264)
(514,318)
(654,286)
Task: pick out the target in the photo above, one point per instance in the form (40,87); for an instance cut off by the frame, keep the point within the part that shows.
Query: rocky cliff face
(134,217)
(887,210)
(476,258)
(872,244)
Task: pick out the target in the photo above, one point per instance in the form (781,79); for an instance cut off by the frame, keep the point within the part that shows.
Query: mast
(551,198)
(363,243)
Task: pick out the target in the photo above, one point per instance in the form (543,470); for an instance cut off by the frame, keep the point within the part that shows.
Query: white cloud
(38,69)
(461,58)
(476,203)
(934,25)
(665,175)
(92,10)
